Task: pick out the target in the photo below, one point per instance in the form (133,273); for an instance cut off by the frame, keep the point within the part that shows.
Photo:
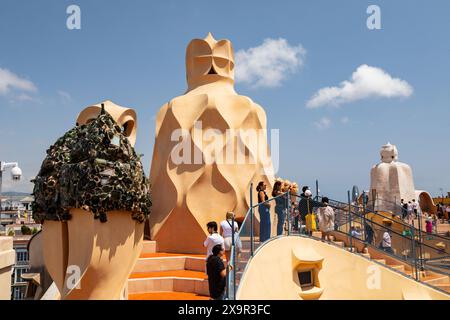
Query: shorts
(228,242)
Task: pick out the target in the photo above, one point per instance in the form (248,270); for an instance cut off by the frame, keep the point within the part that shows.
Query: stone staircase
(244,256)
(442,228)
(168,276)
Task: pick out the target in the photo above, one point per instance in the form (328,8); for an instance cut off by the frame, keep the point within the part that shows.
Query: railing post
(364,216)
(251,220)
(317,189)
(350,218)
(414,253)
(228,282)
(233,246)
(419,216)
(288,213)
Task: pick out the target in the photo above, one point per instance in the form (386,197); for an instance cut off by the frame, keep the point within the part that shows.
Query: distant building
(18,285)
(16,220)
(17,211)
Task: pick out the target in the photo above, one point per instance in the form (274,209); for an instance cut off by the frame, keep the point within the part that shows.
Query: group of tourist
(443,212)
(410,212)
(217,246)
(219,242)
(304,211)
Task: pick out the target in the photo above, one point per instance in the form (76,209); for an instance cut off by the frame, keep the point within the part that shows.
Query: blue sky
(132,52)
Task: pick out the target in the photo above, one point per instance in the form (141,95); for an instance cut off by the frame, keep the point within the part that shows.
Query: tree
(25,230)
(11,233)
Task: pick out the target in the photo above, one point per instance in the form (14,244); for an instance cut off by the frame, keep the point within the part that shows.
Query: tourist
(410,218)
(326,219)
(409,209)
(264,212)
(280,205)
(444,213)
(404,209)
(435,222)
(415,207)
(303,211)
(369,234)
(305,207)
(217,273)
(300,218)
(355,232)
(294,216)
(310,218)
(227,233)
(407,233)
(429,224)
(439,212)
(213,239)
(386,243)
(447,211)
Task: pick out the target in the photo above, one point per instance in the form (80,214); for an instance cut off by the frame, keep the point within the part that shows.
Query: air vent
(305,278)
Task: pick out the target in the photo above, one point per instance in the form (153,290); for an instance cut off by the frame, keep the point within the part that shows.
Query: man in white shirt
(386,244)
(213,239)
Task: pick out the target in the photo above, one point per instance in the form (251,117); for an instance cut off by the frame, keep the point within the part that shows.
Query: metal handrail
(355,212)
(401,222)
(397,206)
(231,277)
(400,213)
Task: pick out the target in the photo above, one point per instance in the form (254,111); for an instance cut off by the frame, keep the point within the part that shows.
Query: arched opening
(127,128)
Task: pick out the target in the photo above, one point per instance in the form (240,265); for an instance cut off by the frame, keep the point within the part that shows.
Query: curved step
(189,274)
(398,267)
(169,281)
(150,262)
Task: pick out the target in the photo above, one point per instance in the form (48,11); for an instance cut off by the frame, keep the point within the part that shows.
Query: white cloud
(65,96)
(9,80)
(366,82)
(268,64)
(323,123)
(23,97)
(345,120)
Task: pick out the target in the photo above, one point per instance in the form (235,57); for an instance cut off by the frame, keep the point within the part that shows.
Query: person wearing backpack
(306,206)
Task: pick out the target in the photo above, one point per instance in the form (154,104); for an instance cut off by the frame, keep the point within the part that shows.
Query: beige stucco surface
(188,194)
(125,117)
(7,260)
(37,264)
(102,254)
(392,180)
(271,274)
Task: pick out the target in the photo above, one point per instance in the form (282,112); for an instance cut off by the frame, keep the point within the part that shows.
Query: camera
(16,173)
